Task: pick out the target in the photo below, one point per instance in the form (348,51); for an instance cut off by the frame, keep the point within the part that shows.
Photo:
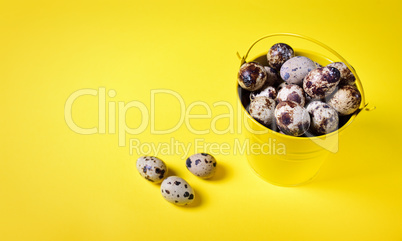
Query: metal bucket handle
(363,105)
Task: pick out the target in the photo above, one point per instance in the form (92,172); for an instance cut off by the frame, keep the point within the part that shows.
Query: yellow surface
(56,184)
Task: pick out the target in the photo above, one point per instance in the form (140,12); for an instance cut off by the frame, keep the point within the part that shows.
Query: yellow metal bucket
(288,160)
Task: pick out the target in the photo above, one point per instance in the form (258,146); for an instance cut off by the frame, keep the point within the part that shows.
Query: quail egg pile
(296,96)
(175,189)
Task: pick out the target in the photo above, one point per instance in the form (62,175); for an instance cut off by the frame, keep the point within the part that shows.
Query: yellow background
(56,184)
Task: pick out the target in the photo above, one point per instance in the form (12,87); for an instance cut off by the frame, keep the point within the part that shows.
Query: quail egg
(280,86)
(278,54)
(346,100)
(202,165)
(269,92)
(272,76)
(176,190)
(347,77)
(295,69)
(324,118)
(152,168)
(292,92)
(262,109)
(321,82)
(252,76)
(291,118)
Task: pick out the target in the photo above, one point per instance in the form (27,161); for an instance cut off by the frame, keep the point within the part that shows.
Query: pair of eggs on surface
(175,189)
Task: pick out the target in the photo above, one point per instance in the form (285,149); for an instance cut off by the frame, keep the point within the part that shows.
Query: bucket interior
(244,95)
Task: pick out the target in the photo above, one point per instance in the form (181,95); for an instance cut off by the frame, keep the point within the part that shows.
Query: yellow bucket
(291,161)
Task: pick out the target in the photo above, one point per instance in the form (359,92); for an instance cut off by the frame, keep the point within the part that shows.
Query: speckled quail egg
(280,86)
(202,165)
(324,118)
(291,118)
(272,76)
(321,82)
(152,168)
(268,91)
(347,77)
(295,69)
(252,76)
(292,92)
(176,190)
(278,54)
(346,100)
(262,109)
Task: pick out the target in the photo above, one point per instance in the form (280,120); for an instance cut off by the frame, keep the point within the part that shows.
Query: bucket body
(287,160)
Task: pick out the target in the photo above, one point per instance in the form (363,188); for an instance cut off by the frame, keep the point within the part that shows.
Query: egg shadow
(220,173)
(197,200)
(171,173)
(261,60)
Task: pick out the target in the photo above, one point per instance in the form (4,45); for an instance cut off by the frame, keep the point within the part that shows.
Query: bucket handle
(363,106)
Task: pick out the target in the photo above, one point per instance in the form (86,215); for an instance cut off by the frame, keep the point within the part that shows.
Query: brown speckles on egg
(268,91)
(262,109)
(204,169)
(293,93)
(151,168)
(178,193)
(347,77)
(295,97)
(286,118)
(291,118)
(346,100)
(321,82)
(278,54)
(324,119)
(280,86)
(252,76)
(272,76)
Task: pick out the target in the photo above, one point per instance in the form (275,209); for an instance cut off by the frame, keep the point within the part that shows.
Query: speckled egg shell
(278,54)
(292,92)
(272,76)
(202,165)
(262,109)
(295,69)
(252,76)
(176,190)
(324,118)
(280,86)
(321,82)
(346,100)
(291,118)
(152,168)
(269,92)
(347,77)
